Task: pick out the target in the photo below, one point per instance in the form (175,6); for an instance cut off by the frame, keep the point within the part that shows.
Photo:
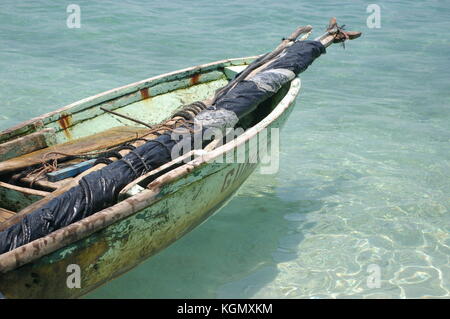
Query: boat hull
(127,241)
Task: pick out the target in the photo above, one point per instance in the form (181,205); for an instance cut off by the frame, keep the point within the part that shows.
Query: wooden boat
(116,239)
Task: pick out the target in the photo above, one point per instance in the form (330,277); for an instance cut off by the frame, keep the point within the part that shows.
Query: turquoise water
(365,164)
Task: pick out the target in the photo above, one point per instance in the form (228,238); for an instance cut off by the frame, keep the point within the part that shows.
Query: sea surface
(360,205)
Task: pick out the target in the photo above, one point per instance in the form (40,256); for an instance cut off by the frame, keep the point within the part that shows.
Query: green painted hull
(113,241)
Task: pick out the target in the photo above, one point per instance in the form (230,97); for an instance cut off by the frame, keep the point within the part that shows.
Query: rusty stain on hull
(144,93)
(195,79)
(65,121)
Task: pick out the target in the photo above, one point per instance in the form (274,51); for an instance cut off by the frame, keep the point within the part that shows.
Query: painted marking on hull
(234,174)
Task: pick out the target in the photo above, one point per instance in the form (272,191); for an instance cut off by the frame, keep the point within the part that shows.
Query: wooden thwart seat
(25,144)
(108,138)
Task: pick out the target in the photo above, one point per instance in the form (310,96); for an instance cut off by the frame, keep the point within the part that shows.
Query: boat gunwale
(37,122)
(76,231)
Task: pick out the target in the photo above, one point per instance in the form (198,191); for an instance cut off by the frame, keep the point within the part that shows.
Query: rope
(185,118)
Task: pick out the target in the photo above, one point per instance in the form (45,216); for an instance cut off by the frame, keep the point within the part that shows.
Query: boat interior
(28,173)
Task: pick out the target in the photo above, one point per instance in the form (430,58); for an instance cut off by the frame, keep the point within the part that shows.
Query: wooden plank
(70,171)
(36,180)
(108,138)
(5,214)
(25,144)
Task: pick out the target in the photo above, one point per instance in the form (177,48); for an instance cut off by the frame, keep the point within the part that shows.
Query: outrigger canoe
(148,216)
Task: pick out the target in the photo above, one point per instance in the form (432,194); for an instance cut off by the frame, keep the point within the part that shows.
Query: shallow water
(364,175)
